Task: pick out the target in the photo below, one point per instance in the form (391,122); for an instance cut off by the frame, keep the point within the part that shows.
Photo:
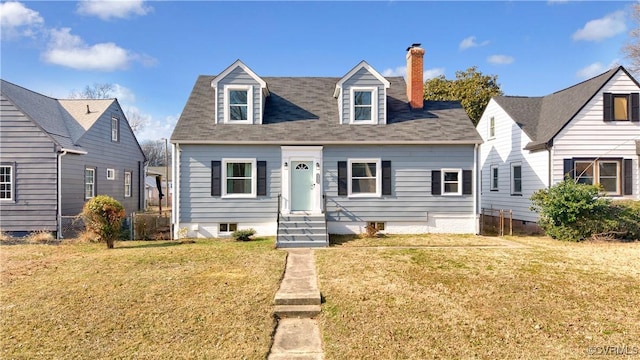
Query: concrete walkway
(297,301)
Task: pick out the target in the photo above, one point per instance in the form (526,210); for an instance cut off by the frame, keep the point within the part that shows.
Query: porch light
(286,165)
(317,166)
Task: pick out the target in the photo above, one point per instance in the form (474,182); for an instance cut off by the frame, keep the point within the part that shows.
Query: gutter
(306,142)
(62,152)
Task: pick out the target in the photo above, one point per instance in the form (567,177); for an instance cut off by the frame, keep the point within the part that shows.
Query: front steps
(302,230)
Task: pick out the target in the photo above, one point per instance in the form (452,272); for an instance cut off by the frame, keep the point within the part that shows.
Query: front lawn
(144,300)
(547,299)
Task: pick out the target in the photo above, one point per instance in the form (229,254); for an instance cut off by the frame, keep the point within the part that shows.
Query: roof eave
(330,142)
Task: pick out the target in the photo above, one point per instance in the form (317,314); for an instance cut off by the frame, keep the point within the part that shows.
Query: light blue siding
(411,198)
(196,203)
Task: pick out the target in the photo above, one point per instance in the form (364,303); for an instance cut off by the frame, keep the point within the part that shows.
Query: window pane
(363,113)
(610,185)
(233,227)
(363,186)
(238,169)
(584,172)
(239,186)
(363,170)
(362,97)
(620,108)
(238,112)
(451,187)
(238,97)
(451,176)
(608,169)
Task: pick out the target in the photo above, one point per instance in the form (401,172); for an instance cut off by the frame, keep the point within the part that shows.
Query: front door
(302,185)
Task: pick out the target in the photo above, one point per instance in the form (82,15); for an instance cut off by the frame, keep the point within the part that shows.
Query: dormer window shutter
(635,107)
(608,107)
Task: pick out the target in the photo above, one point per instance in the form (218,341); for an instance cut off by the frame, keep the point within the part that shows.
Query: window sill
(239,196)
(516,194)
(494,190)
(364,196)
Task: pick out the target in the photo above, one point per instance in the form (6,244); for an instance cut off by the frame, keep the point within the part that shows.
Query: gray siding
(33,155)
(239,77)
(102,153)
(196,203)
(362,78)
(411,198)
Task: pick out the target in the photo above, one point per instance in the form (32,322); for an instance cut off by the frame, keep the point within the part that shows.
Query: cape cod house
(55,154)
(301,157)
(589,132)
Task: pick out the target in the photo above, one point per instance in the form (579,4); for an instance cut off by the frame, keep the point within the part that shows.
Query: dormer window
(364,105)
(621,107)
(238,104)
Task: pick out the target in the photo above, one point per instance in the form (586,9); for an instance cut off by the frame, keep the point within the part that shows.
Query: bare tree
(95,91)
(632,47)
(106,91)
(154,150)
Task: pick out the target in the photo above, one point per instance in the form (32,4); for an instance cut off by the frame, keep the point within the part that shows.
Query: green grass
(143,300)
(546,299)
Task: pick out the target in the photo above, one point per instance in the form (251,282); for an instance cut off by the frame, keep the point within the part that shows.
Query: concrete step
(302,230)
(297,311)
(288,243)
(298,298)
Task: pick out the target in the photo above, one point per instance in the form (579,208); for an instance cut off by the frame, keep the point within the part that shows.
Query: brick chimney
(415,86)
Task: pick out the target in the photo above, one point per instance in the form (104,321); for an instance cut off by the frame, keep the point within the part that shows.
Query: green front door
(302,185)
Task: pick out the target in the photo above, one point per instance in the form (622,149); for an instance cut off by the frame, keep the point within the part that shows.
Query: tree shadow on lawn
(152,244)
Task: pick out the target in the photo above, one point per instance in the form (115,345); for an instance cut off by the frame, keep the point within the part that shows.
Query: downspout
(175,173)
(475,189)
(59,189)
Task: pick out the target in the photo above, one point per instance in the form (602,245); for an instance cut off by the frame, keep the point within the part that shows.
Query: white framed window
(494,178)
(239,178)
(115,129)
(238,104)
(621,107)
(127,184)
(365,178)
(89,183)
(516,179)
(606,173)
(492,127)
(451,181)
(364,105)
(6,182)
(111,174)
(228,227)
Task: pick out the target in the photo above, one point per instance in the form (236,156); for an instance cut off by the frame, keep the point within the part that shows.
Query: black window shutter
(568,168)
(435,183)
(635,107)
(627,175)
(386,178)
(216,170)
(467,182)
(608,108)
(262,178)
(342,178)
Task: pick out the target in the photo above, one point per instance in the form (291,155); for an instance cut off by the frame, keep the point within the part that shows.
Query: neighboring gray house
(55,154)
(589,132)
(301,157)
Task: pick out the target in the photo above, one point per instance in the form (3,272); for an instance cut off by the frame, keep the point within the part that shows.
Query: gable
(362,89)
(239,95)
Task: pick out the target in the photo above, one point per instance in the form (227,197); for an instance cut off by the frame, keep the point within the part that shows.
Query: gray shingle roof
(541,118)
(302,110)
(51,114)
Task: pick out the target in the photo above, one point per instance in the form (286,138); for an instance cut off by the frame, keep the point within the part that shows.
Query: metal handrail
(278,219)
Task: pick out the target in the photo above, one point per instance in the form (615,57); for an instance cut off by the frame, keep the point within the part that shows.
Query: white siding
(505,149)
(588,136)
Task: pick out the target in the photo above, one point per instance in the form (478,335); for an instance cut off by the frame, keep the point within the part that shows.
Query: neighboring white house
(589,131)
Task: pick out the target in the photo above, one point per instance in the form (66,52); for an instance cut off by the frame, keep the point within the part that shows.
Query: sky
(153,51)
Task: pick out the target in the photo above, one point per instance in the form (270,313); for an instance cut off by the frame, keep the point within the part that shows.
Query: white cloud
(500,59)
(124,95)
(71,51)
(107,10)
(471,42)
(600,29)
(157,129)
(595,69)
(16,20)
(402,71)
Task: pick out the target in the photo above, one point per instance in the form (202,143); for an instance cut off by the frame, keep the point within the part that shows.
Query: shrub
(371,230)
(103,216)
(625,218)
(243,235)
(40,237)
(571,211)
